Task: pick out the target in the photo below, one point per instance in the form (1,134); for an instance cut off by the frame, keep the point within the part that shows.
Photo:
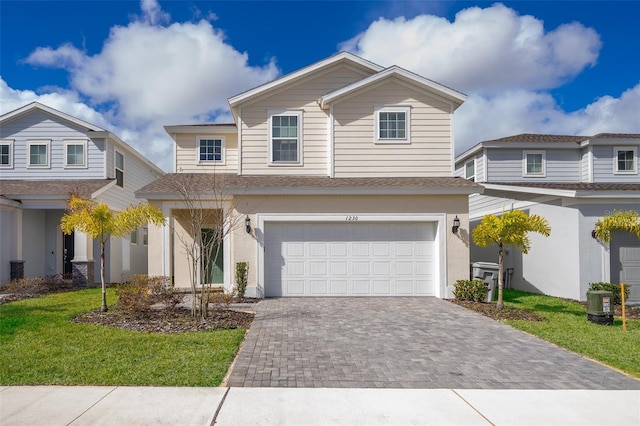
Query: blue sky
(568,67)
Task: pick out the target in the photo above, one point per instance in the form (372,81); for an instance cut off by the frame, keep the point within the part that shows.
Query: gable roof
(344,57)
(451,95)
(33,106)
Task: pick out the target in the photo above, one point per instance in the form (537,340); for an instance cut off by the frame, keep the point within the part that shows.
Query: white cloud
(151,73)
(486,50)
(520,111)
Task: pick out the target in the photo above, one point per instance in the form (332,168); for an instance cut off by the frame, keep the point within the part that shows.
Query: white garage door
(349,259)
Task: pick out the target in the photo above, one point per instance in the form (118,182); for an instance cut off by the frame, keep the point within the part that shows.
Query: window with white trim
(119,169)
(285,138)
(145,236)
(6,154)
(210,150)
(75,154)
(134,236)
(38,152)
(625,160)
(393,124)
(470,170)
(534,163)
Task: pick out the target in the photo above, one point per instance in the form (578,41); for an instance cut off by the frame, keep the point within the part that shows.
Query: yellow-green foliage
(99,221)
(509,229)
(621,220)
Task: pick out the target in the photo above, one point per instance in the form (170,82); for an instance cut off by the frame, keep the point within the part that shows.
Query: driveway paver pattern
(403,343)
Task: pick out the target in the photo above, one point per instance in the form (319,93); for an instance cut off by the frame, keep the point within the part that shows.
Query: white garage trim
(438,219)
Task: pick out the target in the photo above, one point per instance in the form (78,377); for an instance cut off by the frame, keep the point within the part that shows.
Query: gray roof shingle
(83,187)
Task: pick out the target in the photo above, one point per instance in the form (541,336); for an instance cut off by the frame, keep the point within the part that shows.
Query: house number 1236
(352,218)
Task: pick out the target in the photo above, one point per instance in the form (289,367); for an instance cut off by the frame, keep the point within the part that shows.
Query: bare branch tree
(201,225)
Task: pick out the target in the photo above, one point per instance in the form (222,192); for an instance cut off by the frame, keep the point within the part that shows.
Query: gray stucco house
(571,181)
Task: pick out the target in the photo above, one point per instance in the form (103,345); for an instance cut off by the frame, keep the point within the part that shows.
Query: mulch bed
(177,320)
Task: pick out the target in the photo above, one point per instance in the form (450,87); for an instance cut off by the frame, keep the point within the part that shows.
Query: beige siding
(303,96)
(356,154)
(186,153)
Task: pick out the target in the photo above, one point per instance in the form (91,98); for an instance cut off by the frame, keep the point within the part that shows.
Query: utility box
(600,307)
(487,272)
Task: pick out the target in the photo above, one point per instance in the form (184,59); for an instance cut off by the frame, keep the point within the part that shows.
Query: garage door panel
(382,287)
(349,259)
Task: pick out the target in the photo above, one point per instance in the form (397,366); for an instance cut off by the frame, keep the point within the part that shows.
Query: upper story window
(470,170)
(210,150)
(534,163)
(145,236)
(38,153)
(119,169)
(393,124)
(75,153)
(285,137)
(625,160)
(6,154)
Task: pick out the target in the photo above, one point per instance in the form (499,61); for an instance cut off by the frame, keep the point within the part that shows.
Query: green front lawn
(39,345)
(566,325)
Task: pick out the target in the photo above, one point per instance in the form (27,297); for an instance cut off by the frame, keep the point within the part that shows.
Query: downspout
(331,153)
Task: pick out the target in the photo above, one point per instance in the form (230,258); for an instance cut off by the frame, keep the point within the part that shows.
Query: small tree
(621,220)
(510,229)
(99,221)
(207,217)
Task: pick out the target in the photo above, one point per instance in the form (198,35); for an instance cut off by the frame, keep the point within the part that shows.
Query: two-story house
(45,155)
(571,181)
(340,175)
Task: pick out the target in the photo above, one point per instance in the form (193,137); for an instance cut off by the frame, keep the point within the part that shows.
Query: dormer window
(534,164)
(392,124)
(625,160)
(210,150)
(285,137)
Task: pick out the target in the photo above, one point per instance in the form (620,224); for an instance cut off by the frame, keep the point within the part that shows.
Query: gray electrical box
(600,307)
(488,272)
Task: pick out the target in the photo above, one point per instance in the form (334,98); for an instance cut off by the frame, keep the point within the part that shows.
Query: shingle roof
(532,137)
(575,186)
(83,187)
(615,135)
(234,184)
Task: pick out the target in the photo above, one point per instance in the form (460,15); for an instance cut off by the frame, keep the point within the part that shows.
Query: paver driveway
(403,343)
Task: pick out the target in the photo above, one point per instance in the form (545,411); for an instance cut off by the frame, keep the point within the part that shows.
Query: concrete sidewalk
(114,405)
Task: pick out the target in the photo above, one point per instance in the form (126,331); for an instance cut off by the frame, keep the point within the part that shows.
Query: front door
(67,254)
(213,258)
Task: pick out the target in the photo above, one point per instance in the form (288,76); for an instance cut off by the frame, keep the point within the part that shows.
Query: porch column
(83,263)
(166,242)
(17,266)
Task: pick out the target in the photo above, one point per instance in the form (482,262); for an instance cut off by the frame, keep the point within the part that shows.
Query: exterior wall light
(456,225)
(247,224)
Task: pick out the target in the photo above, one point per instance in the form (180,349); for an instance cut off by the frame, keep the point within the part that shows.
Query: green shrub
(473,290)
(614,288)
(242,274)
(143,291)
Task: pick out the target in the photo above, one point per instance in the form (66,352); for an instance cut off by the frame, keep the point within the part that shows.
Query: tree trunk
(500,304)
(104,285)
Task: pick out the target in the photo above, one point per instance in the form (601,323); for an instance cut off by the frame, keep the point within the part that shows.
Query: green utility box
(600,307)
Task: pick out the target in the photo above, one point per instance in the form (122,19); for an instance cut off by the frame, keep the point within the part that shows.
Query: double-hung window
(6,154)
(625,160)
(393,124)
(38,152)
(470,170)
(285,138)
(534,164)
(134,236)
(210,150)
(119,169)
(75,154)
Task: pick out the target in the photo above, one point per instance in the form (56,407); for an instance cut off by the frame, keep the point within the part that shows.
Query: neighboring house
(343,172)
(45,155)
(571,181)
